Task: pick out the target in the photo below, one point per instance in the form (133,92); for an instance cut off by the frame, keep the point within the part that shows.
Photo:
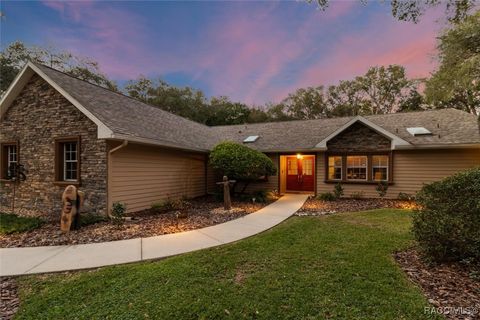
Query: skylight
(418,131)
(250,139)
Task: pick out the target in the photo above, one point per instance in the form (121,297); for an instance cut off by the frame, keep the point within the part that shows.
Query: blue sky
(251,51)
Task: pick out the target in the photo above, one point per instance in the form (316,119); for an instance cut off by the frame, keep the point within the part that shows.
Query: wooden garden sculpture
(72,202)
(227,202)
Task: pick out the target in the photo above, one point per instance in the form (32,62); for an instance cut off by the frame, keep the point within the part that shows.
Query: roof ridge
(282,121)
(118,93)
(343,117)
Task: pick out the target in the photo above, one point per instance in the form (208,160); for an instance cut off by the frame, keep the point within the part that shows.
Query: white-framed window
(67,160)
(380,168)
(335,168)
(70,161)
(12,159)
(8,159)
(357,168)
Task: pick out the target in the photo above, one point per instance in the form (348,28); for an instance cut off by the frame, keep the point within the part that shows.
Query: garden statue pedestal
(227,202)
(72,202)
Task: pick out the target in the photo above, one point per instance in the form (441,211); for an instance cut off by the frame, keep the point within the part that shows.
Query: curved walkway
(31,260)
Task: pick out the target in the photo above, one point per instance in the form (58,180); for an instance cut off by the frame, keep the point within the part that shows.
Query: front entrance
(300,173)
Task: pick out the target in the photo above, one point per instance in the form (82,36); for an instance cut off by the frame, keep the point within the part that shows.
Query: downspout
(109,173)
(123,145)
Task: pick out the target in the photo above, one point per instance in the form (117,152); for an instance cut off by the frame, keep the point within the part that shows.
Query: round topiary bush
(447,224)
(240,162)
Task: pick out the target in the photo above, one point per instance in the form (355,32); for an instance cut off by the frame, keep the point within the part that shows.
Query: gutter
(155,142)
(439,146)
(398,147)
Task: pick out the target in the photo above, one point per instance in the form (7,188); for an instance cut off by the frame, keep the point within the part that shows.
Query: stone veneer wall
(359,138)
(38,116)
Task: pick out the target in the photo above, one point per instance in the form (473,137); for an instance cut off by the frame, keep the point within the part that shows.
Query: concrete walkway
(18,261)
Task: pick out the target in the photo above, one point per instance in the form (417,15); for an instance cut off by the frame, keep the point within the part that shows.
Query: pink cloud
(110,35)
(406,44)
(250,56)
(254,51)
(69,9)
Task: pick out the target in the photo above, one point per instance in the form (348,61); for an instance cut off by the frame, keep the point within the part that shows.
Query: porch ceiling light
(299,156)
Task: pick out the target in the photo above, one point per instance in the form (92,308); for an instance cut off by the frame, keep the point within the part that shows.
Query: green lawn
(10,223)
(335,267)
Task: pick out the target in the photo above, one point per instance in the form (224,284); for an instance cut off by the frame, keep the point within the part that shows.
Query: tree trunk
(246,183)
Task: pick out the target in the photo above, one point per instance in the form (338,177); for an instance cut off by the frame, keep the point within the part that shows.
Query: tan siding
(411,169)
(212,179)
(142,175)
(271,184)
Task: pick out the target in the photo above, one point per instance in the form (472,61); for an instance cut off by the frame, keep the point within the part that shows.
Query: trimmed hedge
(447,225)
(240,162)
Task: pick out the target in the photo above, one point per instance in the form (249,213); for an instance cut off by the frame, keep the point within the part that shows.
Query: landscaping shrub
(243,197)
(241,163)
(11,223)
(327,196)
(88,219)
(357,195)
(405,196)
(338,190)
(118,212)
(163,206)
(170,204)
(382,188)
(260,196)
(447,224)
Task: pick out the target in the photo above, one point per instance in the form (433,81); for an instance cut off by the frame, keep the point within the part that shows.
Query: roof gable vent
(419,131)
(250,139)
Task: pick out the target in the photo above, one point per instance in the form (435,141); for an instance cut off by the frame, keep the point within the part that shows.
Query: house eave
(398,147)
(155,142)
(440,146)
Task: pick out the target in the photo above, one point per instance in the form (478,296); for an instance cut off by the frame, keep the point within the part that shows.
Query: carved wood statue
(227,201)
(72,202)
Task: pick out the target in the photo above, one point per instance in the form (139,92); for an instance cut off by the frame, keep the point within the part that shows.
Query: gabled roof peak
(396,141)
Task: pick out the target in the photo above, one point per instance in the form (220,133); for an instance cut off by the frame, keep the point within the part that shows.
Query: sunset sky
(253,52)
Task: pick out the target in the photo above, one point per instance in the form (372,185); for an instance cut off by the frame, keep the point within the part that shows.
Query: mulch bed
(453,289)
(201,212)
(315,207)
(9,300)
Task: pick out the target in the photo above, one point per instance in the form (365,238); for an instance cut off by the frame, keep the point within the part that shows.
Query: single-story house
(115,148)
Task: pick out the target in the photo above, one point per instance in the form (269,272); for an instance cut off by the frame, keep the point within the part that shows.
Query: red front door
(301,173)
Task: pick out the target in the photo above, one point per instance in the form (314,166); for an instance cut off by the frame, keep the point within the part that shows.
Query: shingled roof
(449,127)
(132,119)
(123,118)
